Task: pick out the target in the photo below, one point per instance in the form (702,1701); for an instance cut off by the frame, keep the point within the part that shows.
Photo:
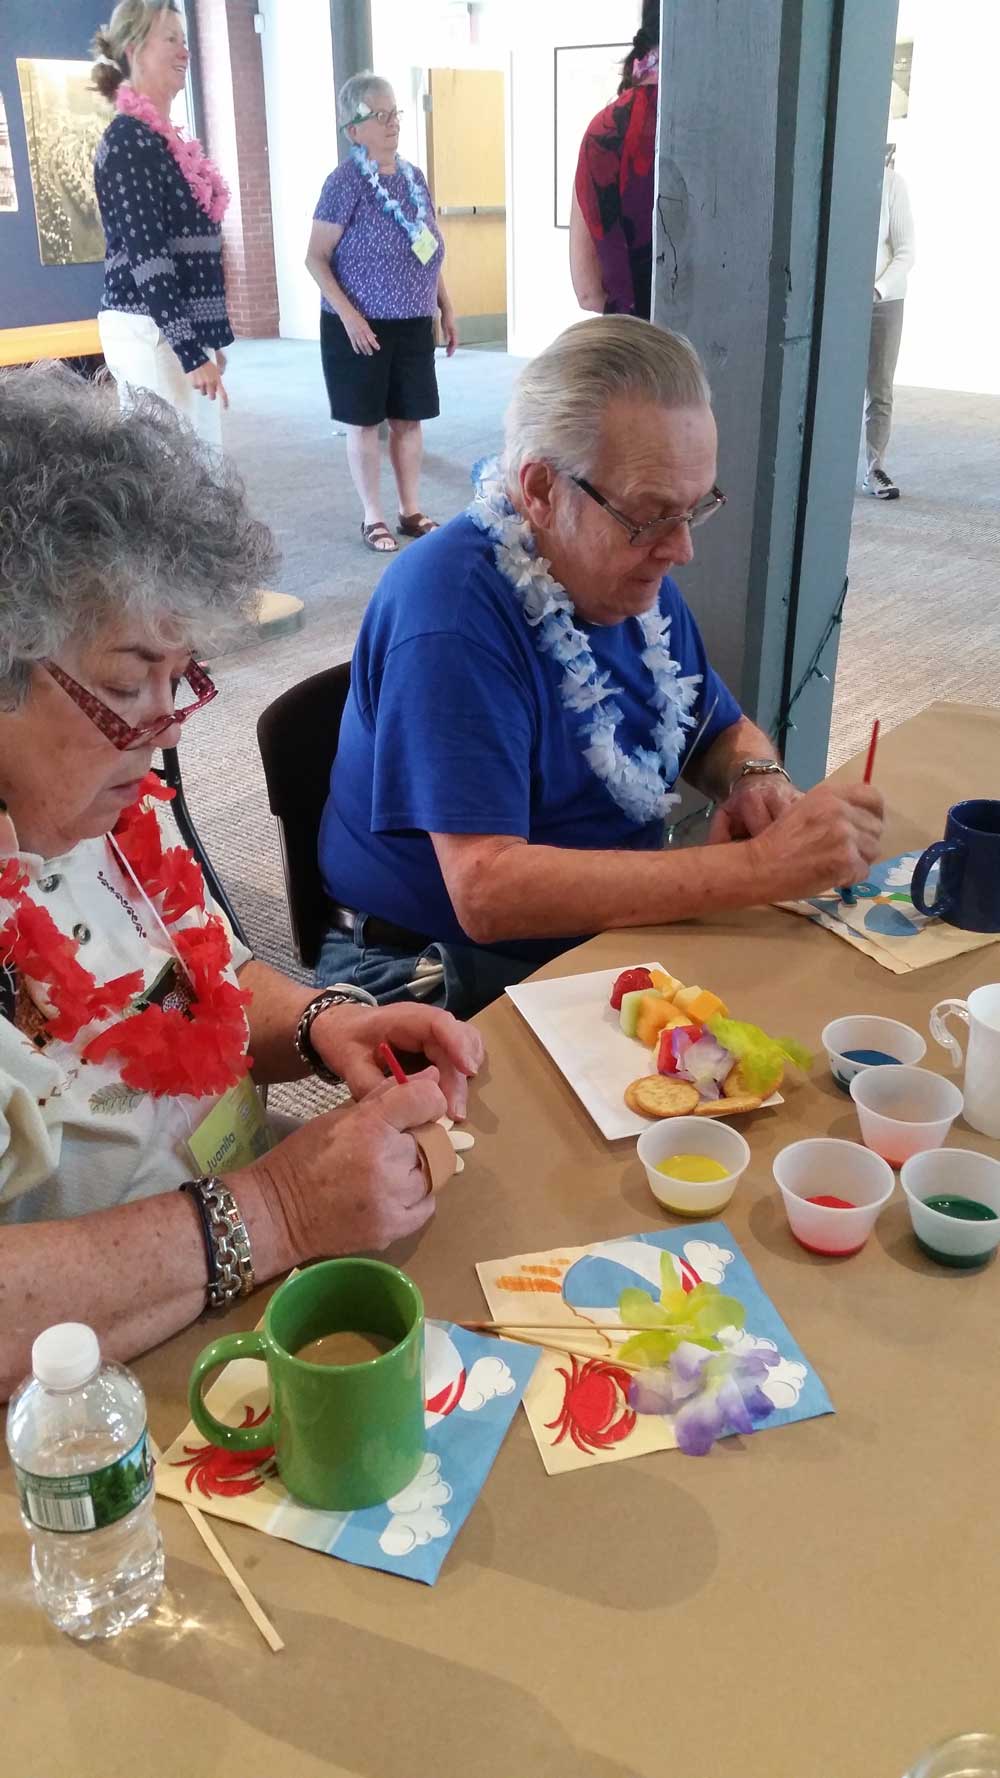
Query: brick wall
(232,84)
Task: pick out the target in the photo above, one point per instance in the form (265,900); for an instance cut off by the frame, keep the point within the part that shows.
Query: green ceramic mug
(345,1435)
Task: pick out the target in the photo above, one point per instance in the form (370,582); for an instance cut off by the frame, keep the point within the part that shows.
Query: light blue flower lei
(639,782)
(392,206)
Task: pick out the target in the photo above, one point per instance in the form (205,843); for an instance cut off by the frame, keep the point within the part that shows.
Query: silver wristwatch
(230,1243)
(752,768)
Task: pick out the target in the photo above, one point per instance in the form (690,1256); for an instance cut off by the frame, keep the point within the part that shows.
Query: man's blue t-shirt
(454,724)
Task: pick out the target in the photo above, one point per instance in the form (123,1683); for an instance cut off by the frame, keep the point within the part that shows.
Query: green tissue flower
(694,1317)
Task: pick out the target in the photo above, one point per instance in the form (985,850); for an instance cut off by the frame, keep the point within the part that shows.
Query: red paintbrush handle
(385,1055)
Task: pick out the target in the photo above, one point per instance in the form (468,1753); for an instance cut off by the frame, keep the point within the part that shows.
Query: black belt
(376,931)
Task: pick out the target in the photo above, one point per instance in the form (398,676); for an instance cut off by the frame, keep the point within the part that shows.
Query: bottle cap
(63,1357)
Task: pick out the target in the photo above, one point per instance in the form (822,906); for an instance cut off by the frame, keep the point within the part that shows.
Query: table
(813,1603)
(56,339)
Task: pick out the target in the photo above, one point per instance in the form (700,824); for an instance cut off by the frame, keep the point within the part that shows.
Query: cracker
(656,1095)
(730,1107)
(734,1086)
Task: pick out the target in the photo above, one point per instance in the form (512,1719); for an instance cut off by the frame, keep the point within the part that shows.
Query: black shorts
(398,382)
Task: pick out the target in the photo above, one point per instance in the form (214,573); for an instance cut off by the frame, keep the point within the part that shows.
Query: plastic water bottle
(76,1432)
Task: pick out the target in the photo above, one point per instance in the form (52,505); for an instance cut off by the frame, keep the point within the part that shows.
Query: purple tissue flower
(706,1393)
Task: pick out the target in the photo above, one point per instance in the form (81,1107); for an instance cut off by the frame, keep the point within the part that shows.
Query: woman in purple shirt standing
(376,253)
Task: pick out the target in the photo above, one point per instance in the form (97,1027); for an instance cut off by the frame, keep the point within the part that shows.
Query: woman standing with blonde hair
(163,319)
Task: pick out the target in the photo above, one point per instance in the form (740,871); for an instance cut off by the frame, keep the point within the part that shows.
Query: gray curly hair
(104,517)
(558,404)
(355,91)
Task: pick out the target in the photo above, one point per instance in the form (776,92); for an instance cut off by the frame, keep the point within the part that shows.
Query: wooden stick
(257,1616)
(580,1327)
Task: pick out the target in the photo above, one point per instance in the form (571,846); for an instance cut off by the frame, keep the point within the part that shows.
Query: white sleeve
(891,286)
(31,1121)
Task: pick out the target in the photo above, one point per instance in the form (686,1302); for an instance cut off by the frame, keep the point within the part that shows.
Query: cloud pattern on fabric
(708,1260)
(488,1378)
(416,1515)
(783,1383)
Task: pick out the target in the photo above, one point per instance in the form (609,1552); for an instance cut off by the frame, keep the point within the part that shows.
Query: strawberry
(629,982)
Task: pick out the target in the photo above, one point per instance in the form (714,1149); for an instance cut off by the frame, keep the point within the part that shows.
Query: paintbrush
(847,894)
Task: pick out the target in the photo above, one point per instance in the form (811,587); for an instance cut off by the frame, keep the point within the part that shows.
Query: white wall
(947,153)
(302,145)
(540,300)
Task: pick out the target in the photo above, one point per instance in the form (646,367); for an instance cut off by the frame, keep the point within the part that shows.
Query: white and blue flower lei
(639,782)
(392,206)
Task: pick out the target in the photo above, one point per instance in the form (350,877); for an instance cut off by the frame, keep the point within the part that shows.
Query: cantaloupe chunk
(655,1013)
(667,984)
(700,1004)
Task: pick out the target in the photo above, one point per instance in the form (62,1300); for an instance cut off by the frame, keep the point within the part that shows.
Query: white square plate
(572,1019)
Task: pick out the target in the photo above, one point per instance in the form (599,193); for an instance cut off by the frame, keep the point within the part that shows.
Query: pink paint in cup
(904,1111)
(824,1167)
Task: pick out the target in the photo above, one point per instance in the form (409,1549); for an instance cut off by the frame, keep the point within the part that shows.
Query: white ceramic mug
(981,1012)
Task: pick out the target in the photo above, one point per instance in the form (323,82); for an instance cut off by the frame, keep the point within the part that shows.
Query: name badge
(233,1134)
(424,245)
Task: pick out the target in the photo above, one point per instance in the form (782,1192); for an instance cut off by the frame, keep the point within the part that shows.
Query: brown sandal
(417,525)
(375,537)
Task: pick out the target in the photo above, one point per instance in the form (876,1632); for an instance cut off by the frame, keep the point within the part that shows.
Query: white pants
(138,357)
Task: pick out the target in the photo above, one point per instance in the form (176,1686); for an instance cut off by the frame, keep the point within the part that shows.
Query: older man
(528,686)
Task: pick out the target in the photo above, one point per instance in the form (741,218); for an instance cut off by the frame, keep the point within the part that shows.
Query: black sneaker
(881,485)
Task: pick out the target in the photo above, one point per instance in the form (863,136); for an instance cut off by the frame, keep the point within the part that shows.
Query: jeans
(883,351)
(461,978)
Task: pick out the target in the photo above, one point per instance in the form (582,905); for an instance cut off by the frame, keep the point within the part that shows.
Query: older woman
(127,1012)
(611,215)
(528,687)
(163,320)
(376,253)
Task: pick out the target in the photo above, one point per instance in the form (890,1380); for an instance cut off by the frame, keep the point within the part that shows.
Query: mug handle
(943,903)
(231,1438)
(946,1009)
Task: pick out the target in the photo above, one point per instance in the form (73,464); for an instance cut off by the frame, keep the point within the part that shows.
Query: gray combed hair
(559,400)
(110,518)
(354,92)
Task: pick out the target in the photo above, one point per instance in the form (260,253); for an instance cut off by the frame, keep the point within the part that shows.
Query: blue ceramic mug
(968,893)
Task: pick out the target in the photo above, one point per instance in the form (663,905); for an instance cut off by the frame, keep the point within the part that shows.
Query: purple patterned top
(373,261)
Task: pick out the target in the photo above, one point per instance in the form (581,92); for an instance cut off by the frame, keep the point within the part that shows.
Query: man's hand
(207,379)
(351,1181)
(750,808)
(827,837)
(347,1037)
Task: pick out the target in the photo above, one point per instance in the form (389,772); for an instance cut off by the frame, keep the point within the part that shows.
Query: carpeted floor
(922,620)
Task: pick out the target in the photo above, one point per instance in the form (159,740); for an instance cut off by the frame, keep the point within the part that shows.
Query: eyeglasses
(656,528)
(380,117)
(114,727)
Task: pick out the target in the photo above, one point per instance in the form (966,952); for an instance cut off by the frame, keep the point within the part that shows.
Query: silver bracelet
(336,995)
(230,1258)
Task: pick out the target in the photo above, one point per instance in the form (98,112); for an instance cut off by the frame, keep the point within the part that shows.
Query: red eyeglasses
(114,727)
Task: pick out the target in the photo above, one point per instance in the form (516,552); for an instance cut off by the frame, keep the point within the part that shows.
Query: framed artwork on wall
(8,188)
(64,119)
(587,76)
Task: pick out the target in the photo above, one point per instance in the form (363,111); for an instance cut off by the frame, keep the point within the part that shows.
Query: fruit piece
(653,1096)
(667,984)
(655,1013)
(700,1004)
(736,1085)
(629,1010)
(631,981)
(666,1049)
(728,1107)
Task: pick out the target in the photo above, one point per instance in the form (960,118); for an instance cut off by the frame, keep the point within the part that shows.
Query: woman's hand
(358,332)
(351,1181)
(347,1037)
(449,327)
(207,379)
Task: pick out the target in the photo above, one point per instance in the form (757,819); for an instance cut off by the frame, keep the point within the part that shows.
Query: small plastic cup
(902,1111)
(826,1167)
(693,1135)
(865,1031)
(962,1238)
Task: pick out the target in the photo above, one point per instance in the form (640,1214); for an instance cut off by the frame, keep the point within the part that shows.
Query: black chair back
(170,772)
(297,735)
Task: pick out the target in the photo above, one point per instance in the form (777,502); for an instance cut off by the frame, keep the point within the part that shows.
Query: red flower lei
(167,1053)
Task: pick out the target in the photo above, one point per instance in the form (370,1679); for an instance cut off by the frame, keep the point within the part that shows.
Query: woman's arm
(322,241)
(449,326)
(584,265)
(347,1182)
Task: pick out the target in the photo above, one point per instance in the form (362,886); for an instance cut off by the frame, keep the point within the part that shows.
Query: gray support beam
(770,160)
(351,31)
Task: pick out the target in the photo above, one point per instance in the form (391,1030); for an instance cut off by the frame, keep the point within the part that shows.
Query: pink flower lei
(209,189)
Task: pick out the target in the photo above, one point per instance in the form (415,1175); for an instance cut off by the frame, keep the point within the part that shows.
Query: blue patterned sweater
(164,255)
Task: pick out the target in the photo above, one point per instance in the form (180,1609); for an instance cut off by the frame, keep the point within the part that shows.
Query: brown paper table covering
(815,1604)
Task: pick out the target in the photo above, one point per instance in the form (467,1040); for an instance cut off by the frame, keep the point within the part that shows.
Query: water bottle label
(87,1502)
